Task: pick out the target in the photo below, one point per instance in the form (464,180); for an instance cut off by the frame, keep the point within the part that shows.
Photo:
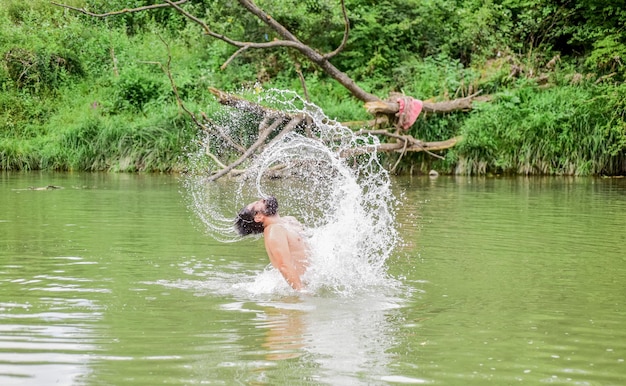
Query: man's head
(250,219)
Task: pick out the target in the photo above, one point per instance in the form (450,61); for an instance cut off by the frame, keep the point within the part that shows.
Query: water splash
(346,204)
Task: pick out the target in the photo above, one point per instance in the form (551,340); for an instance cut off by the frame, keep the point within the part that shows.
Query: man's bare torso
(291,229)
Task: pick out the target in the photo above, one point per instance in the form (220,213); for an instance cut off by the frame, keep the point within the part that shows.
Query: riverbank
(79,93)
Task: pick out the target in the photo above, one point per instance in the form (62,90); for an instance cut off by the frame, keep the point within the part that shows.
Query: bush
(609,56)
(136,87)
(565,131)
(40,69)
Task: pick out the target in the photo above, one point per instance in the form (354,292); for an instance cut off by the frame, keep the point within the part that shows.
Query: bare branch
(290,41)
(380,109)
(168,72)
(346,32)
(295,121)
(393,169)
(214,158)
(217,129)
(227,99)
(388,134)
(122,11)
(379,120)
(179,101)
(605,77)
(427,147)
(258,145)
(270,21)
(308,52)
(302,81)
(226,39)
(259,142)
(230,59)
(406,139)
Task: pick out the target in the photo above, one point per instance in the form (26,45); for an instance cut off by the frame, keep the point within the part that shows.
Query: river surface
(113,281)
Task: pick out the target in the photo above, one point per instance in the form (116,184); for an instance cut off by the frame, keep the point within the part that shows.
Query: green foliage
(136,87)
(334,99)
(16,11)
(429,128)
(382,36)
(86,93)
(137,22)
(434,76)
(95,143)
(35,53)
(23,114)
(531,23)
(609,56)
(385,35)
(567,130)
(17,154)
(592,20)
(39,70)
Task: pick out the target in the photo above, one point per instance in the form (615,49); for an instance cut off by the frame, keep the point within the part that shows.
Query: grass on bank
(568,130)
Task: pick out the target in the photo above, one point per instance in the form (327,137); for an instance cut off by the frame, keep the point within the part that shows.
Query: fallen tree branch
(242,104)
(389,134)
(289,127)
(214,158)
(227,99)
(405,138)
(403,144)
(380,120)
(211,127)
(428,147)
(390,107)
(290,40)
(259,142)
(393,169)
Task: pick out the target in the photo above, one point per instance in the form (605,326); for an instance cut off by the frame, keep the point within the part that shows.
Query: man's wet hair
(245,224)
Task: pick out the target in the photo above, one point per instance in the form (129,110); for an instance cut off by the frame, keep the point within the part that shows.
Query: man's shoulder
(287,226)
(275,229)
(291,220)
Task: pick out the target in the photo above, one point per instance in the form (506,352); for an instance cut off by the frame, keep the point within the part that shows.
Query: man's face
(258,206)
(266,207)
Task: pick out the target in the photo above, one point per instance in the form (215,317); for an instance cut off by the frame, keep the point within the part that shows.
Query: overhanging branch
(121,11)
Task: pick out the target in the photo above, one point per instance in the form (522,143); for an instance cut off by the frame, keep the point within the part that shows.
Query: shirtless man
(284,242)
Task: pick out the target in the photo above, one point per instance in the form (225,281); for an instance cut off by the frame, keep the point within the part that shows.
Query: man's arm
(277,246)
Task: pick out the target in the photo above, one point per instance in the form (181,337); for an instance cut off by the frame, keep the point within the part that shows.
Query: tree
(396,111)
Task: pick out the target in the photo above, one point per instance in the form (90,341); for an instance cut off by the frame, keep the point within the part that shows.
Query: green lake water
(112,280)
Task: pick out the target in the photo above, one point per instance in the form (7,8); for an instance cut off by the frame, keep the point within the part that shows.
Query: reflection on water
(351,337)
(110,281)
(330,339)
(284,331)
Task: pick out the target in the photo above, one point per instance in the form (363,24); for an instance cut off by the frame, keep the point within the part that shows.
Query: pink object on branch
(408,111)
